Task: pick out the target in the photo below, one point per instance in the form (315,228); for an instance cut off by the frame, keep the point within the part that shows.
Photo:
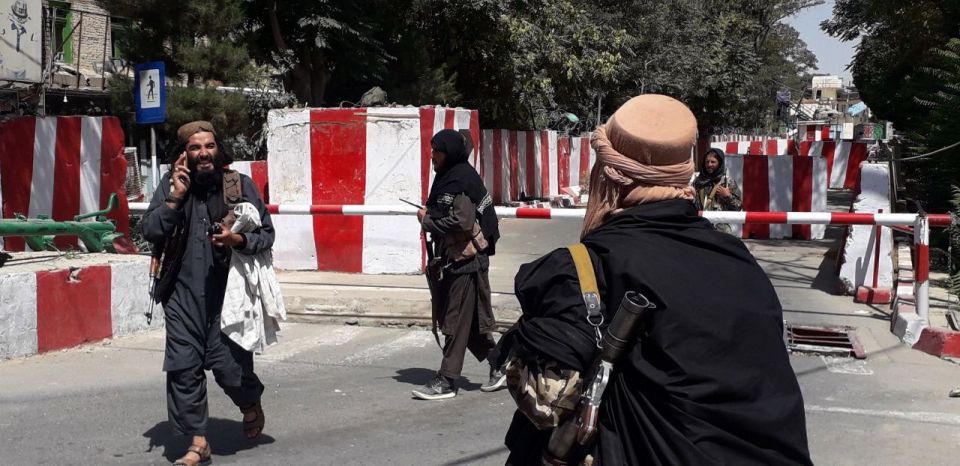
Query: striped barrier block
(524,164)
(355,156)
(777,184)
(757,147)
(59,308)
(843,160)
(61,167)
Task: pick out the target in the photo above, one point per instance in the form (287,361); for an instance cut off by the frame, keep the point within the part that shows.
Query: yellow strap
(585,272)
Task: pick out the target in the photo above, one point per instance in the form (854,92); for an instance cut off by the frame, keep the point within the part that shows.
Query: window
(62,28)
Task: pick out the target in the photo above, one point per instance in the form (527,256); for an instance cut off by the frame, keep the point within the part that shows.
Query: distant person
(715,190)
(710,381)
(462,224)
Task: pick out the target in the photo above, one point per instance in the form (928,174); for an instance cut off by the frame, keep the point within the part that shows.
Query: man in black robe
(459,216)
(711,381)
(190,200)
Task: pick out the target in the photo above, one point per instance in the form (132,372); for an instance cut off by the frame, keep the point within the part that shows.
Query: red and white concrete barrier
(61,167)
(772,184)
(258,172)
(72,302)
(355,156)
(867,268)
(843,160)
(533,163)
(769,146)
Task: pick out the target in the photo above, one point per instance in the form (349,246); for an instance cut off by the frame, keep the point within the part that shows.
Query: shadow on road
(225,437)
(418,376)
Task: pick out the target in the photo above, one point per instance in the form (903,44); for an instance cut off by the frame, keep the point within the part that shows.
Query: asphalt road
(341,395)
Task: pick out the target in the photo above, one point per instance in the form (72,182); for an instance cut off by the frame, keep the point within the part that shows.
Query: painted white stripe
(130,299)
(800,218)
(780,173)
(782,146)
(819,201)
(726,217)
(841,159)
(734,166)
(461,120)
(575,161)
(743,147)
(537,164)
(719,145)
(290,177)
(44,157)
(287,349)
(91,138)
(593,157)
(486,159)
(245,168)
(392,245)
(412,339)
(553,163)
(816,149)
(18,297)
(925,417)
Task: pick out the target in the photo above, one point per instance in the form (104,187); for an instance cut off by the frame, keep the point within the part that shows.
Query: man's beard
(205,180)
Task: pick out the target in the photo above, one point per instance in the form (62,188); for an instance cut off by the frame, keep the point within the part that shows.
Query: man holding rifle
(705,377)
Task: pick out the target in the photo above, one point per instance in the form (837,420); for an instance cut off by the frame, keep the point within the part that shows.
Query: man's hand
(227,239)
(723,192)
(420,214)
(180,179)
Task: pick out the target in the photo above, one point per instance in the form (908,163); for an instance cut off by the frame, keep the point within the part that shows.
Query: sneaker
(498,380)
(437,389)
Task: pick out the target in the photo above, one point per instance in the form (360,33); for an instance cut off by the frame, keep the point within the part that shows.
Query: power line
(928,154)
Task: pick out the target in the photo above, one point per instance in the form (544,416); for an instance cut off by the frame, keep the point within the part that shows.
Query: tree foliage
(907,69)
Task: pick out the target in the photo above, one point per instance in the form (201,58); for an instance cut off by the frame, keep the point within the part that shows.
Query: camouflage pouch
(545,393)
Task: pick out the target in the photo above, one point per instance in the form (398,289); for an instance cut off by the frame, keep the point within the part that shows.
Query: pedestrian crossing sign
(149,94)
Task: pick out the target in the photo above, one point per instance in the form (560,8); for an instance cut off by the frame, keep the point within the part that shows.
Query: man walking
(183,222)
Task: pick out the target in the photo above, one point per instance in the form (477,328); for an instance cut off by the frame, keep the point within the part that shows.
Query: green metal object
(97,236)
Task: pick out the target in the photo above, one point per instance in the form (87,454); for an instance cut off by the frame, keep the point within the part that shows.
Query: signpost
(150,100)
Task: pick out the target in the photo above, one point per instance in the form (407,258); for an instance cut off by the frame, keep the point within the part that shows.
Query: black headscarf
(456,176)
(706,179)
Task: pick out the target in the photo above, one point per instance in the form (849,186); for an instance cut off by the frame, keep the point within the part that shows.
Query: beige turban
(644,154)
(194,127)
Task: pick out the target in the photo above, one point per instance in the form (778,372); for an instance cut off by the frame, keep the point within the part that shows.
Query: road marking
(838,365)
(287,349)
(917,416)
(413,339)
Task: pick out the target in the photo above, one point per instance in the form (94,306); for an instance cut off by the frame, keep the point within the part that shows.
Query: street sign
(149,93)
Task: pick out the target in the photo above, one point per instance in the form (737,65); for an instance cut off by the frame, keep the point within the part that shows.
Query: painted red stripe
(733,147)
(113,172)
(427,115)
(756,194)
(563,161)
(765,219)
(802,193)
(811,132)
(475,134)
(791,147)
(845,218)
(66,176)
(259,172)
(940,220)
(585,168)
(530,160)
(530,212)
(858,155)
(544,164)
(16,171)
(338,171)
(73,310)
(804,149)
(273,208)
(772,147)
(825,132)
(498,166)
(755,148)
(513,151)
(922,267)
(828,152)
(448,118)
(326,209)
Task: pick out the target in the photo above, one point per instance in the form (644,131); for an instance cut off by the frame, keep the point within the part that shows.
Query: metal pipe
(878,236)
(921,285)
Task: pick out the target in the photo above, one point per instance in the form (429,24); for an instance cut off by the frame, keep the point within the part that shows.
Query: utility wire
(928,154)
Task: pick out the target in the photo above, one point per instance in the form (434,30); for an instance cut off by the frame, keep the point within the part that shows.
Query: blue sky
(832,54)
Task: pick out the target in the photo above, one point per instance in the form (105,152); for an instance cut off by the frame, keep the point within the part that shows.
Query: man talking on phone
(188,223)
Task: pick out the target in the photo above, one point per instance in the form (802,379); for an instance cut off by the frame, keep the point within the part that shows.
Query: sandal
(253,427)
(202,452)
